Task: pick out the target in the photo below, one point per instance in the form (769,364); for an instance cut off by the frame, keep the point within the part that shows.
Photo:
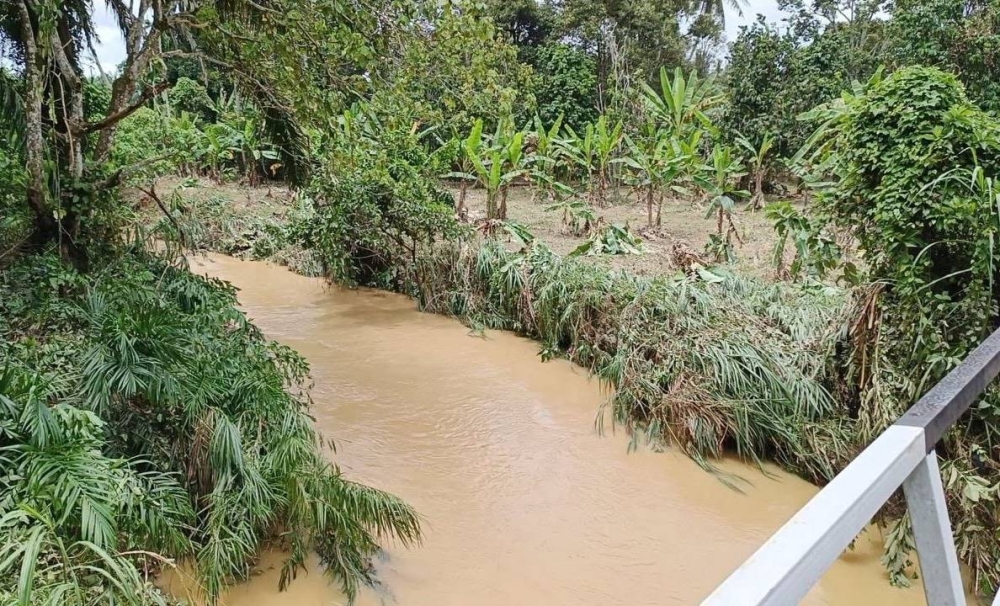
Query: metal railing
(787,566)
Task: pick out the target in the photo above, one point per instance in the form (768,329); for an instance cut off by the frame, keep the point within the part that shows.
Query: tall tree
(962,36)
(255,42)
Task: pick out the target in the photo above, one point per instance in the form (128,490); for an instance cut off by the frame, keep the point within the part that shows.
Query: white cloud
(110,46)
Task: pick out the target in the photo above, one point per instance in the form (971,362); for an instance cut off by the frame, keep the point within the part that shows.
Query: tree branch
(151,193)
(125,112)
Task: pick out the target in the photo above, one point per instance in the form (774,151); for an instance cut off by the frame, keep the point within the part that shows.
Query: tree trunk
(758,197)
(491,205)
(45,224)
(140,47)
(649,206)
(602,191)
(463,215)
(503,204)
(69,104)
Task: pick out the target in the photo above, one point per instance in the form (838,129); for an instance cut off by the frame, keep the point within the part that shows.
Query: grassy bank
(727,364)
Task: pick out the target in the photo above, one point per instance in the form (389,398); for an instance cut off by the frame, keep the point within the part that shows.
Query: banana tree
(641,164)
(545,160)
(607,141)
(578,151)
(593,154)
(496,164)
(758,155)
(719,183)
(681,103)
(466,172)
(659,166)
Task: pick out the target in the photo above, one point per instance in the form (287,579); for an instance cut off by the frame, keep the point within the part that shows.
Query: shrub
(371,227)
(916,164)
(565,84)
(141,413)
(189,96)
(155,143)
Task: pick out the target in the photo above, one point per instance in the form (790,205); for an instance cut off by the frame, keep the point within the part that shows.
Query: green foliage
(815,253)
(635,39)
(758,156)
(593,153)
(154,142)
(914,161)
(142,417)
(773,75)
(577,215)
(720,185)
(678,364)
(377,205)
(610,240)
(69,508)
(96,98)
(497,161)
(447,69)
(960,36)
(15,220)
(895,151)
(681,104)
(565,85)
(189,96)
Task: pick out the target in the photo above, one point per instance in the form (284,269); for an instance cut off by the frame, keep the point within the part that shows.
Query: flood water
(523,502)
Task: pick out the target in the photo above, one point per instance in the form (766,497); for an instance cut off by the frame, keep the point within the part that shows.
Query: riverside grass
(734,364)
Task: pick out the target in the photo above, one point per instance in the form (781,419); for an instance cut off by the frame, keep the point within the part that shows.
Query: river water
(523,502)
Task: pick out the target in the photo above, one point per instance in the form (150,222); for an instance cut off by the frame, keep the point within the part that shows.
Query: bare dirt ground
(683,221)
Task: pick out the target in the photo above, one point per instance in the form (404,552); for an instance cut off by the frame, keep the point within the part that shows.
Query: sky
(111,49)
(768,8)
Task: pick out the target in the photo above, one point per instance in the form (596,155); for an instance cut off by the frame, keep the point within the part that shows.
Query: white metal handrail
(787,566)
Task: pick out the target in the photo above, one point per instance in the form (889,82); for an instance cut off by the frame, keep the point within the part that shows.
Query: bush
(565,84)
(155,142)
(141,412)
(15,219)
(189,96)
(917,164)
(371,227)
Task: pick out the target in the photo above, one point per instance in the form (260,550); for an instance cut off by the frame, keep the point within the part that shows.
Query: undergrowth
(144,419)
(257,232)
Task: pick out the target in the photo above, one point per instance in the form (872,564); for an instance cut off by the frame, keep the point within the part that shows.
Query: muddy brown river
(523,502)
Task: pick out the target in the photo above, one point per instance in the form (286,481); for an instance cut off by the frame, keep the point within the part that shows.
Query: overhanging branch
(125,112)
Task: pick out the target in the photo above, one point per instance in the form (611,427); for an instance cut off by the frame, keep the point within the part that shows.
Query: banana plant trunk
(502,214)
(491,205)
(460,209)
(758,188)
(649,205)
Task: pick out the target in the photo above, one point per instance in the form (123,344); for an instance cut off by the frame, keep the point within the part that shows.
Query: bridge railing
(790,563)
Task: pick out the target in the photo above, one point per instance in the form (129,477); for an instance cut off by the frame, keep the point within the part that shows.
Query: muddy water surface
(523,502)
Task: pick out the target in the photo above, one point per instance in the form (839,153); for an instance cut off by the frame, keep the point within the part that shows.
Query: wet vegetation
(144,419)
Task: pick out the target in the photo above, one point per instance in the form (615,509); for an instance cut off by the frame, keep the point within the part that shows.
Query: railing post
(925,500)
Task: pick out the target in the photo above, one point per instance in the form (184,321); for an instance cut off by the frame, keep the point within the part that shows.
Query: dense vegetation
(143,418)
